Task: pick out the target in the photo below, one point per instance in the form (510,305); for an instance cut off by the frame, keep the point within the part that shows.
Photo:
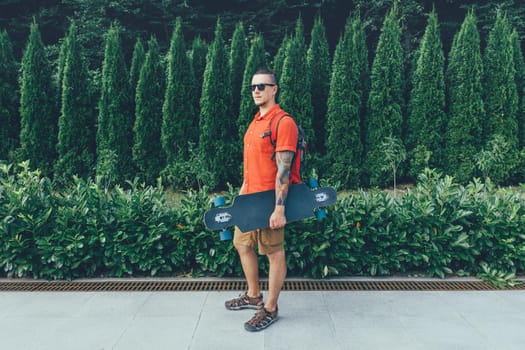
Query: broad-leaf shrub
(498,229)
(27,213)
(437,228)
(434,217)
(73,248)
(134,240)
(206,252)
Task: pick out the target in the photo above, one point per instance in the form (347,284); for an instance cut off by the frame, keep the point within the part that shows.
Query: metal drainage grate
(239,285)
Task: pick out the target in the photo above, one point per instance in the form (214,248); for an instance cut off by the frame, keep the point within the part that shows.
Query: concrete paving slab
(308,320)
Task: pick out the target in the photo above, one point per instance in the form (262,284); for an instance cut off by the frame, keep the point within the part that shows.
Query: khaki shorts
(267,240)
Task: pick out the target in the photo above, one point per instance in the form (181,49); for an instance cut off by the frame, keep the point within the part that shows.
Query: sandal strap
(244,299)
(262,318)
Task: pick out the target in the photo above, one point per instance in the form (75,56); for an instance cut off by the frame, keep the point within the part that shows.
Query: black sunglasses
(261,86)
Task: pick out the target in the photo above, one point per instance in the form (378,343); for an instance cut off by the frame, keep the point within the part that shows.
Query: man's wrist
(279,208)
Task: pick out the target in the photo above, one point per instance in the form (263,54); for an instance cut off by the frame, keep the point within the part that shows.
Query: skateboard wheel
(226,235)
(321,214)
(219,201)
(313,183)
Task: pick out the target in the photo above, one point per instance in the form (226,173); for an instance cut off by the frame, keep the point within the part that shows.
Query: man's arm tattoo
(282,180)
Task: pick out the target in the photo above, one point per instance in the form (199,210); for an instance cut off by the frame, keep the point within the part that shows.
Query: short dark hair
(266,71)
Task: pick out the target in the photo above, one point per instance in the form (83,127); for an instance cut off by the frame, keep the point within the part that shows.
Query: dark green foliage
(115,119)
(76,124)
(38,112)
(179,119)
(238,57)
(343,143)
(199,49)
(501,96)
(73,248)
(438,228)
(89,231)
(133,242)
(278,59)
(137,60)
(217,124)
(93,20)
(433,220)
(273,18)
(427,120)
(519,64)
(496,232)
(465,104)
(148,156)
(238,61)
(318,66)
(9,117)
(255,61)
(425,99)
(497,160)
(359,41)
(488,10)
(385,100)
(294,84)
(202,250)
(27,208)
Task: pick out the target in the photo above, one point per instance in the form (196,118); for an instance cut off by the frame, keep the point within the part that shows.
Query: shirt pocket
(263,146)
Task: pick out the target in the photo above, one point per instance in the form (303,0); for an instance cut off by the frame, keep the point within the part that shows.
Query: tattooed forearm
(282,180)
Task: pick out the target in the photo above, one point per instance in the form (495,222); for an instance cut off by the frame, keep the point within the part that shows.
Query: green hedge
(437,228)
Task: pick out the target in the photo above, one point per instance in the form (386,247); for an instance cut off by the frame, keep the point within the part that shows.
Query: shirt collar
(268,114)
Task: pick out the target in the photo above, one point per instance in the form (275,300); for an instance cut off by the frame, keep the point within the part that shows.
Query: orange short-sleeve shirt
(260,169)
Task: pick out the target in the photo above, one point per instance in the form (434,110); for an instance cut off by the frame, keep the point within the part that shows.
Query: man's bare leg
(277,275)
(250,267)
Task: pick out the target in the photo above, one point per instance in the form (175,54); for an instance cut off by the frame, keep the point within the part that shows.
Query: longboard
(252,211)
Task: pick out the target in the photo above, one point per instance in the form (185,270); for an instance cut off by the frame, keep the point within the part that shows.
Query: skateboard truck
(225,234)
(321,213)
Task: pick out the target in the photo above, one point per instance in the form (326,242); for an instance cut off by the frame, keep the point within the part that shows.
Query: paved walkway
(309,320)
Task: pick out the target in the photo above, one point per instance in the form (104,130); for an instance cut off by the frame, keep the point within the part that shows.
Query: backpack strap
(273,135)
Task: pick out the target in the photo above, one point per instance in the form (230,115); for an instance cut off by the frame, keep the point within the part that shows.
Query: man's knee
(243,249)
(276,256)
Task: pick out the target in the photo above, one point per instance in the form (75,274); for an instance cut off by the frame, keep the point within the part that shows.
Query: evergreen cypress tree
(115,127)
(295,82)
(199,49)
(343,144)
(385,99)
(318,66)
(361,49)
(148,156)
(137,60)
(426,121)
(60,70)
(238,56)
(519,63)
(9,117)
(38,113)
(465,103)
(501,95)
(278,59)
(76,124)
(217,142)
(178,116)
(248,109)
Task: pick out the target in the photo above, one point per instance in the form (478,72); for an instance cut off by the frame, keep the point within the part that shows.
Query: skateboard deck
(252,211)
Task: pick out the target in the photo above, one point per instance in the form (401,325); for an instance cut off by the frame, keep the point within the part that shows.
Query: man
(266,167)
